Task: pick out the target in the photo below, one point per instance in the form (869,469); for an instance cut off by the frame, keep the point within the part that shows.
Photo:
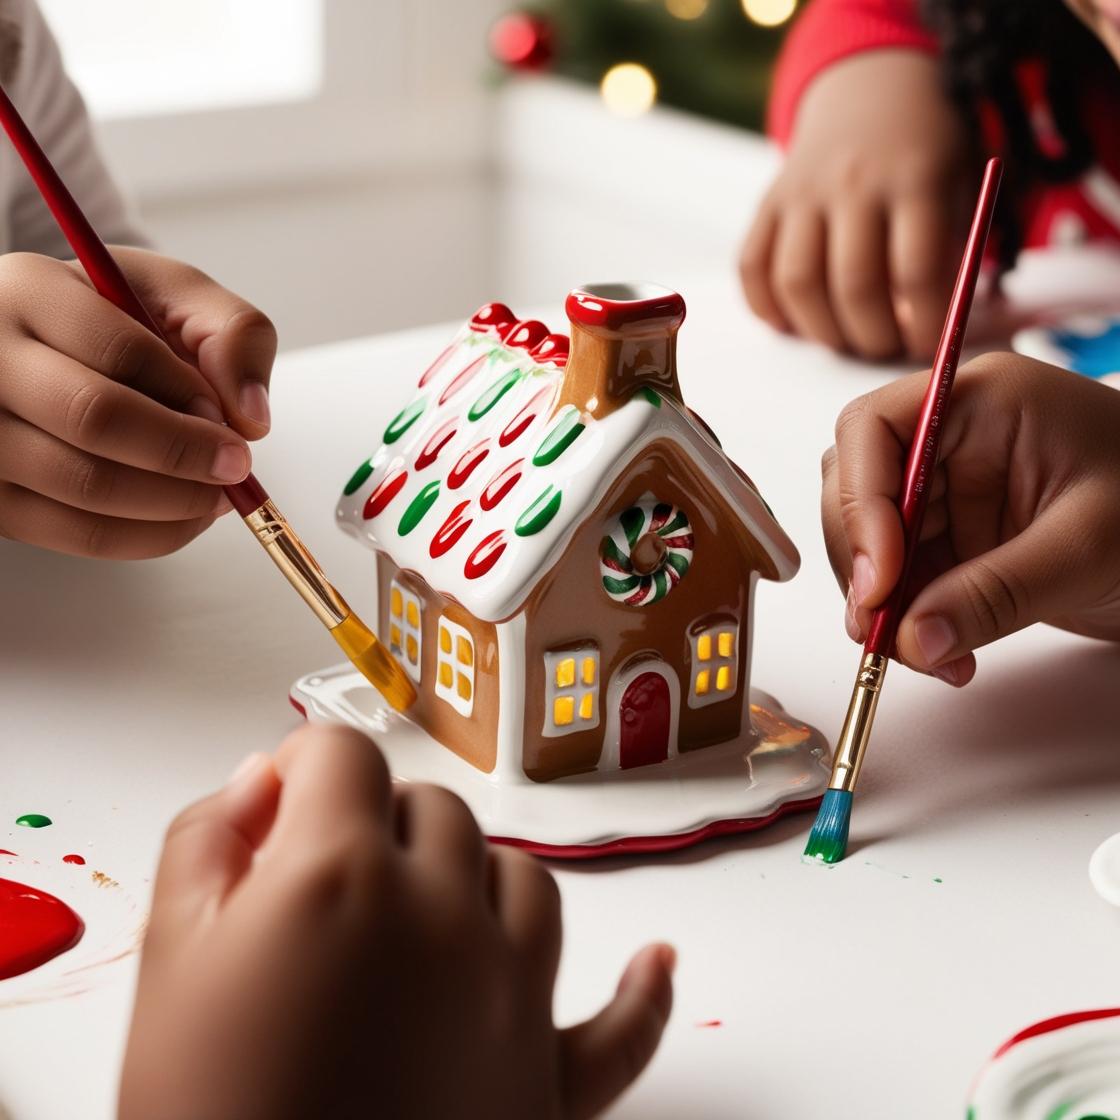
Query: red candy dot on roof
(501,484)
(485,555)
(437,365)
(470,459)
(525,417)
(526,335)
(461,379)
(385,491)
(439,440)
(492,317)
(552,350)
(450,532)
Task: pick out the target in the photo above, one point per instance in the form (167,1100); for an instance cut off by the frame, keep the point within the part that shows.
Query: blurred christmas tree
(712,57)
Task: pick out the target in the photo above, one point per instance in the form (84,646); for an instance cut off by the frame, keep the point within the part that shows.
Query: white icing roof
(481,416)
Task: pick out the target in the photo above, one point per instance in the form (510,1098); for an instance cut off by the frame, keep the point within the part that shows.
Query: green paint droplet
(936,880)
(650,395)
(494,394)
(562,435)
(404,420)
(418,507)
(539,513)
(358,477)
(34,820)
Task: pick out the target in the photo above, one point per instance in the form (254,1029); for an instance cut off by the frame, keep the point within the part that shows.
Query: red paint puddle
(34,928)
(711,1023)
(72,858)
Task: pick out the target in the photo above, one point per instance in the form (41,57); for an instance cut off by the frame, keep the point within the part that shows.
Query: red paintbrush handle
(104,272)
(922,460)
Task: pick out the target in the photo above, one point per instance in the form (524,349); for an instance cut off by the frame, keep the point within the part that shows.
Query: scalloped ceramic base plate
(1066,1068)
(733,787)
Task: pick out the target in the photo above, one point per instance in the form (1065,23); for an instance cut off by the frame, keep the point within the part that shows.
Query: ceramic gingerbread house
(566,558)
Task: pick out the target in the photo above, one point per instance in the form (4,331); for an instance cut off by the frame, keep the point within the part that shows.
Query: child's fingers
(438,830)
(858,282)
(41,521)
(922,248)
(35,460)
(210,845)
(115,422)
(235,343)
(1051,567)
(527,903)
(799,277)
(755,269)
(602,1057)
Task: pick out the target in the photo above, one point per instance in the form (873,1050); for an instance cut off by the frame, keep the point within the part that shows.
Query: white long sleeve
(56,114)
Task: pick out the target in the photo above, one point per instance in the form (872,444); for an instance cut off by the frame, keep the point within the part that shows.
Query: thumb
(233,343)
(603,1056)
(210,845)
(1034,576)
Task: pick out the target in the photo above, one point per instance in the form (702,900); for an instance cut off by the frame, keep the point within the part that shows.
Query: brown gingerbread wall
(570,606)
(474,738)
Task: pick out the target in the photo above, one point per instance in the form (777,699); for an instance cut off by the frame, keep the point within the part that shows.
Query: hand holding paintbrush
(828,840)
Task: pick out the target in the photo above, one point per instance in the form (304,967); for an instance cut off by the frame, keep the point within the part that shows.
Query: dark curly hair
(983,43)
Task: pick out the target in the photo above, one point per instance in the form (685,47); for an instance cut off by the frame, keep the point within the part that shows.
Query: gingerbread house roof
(479,484)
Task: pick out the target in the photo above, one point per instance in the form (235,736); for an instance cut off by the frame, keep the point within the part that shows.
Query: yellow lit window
(714,665)
(566,672)
(455,666)
(404,627)
(571,690)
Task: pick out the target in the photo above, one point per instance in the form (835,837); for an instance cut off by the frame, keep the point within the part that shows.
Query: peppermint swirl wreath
(646,554)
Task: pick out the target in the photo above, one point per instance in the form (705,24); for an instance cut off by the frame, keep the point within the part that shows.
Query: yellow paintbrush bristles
(374,661)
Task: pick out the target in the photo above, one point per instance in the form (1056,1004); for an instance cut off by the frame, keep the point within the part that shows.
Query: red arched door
(643,720)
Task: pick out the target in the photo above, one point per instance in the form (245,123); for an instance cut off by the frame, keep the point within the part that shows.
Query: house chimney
(624,337)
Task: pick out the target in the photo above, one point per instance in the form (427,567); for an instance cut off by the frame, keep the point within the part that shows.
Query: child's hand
(323,944)
(108,445)
(1023,523)
(856,244)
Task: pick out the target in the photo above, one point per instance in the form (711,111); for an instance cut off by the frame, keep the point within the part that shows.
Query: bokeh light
(686,9)
(628,89)
(769,13)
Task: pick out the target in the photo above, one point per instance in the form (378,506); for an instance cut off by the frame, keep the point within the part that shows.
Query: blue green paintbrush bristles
(829,839)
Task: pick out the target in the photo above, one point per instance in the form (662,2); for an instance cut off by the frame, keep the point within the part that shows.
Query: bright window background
(135,58)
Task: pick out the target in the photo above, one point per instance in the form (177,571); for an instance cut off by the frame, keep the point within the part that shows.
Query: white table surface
(870,990)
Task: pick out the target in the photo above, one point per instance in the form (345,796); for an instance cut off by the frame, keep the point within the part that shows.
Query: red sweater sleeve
(829,30)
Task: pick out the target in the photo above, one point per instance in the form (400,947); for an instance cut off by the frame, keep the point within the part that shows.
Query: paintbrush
(249,497)
(828,840)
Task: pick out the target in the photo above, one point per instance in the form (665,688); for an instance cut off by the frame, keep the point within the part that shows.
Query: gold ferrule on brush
(298,565)
(857,723)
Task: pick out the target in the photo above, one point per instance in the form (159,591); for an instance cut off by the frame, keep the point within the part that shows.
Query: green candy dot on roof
(358,477)
(539,513)
(418,507)
(493,394)
(34,820)
(561,436)
(650,395)
(404,420)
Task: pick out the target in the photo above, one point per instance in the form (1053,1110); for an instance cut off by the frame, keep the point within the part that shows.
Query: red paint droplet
(485,555)
(491,316)
(467,463)
(5,852)
(526,335)
(461,379)
(525,417)
(435,367)
(435,445)
(711,1023)
(552,350)
(383,493)
(450,532)
(500,485)
(73,858)
(37,926)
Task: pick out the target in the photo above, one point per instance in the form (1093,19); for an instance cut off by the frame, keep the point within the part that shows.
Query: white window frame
(580,690)
(714,664)
(401,628)
(459,669)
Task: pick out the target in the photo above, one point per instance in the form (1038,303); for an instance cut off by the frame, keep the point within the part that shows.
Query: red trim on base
(298,706)
(1057,1023)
